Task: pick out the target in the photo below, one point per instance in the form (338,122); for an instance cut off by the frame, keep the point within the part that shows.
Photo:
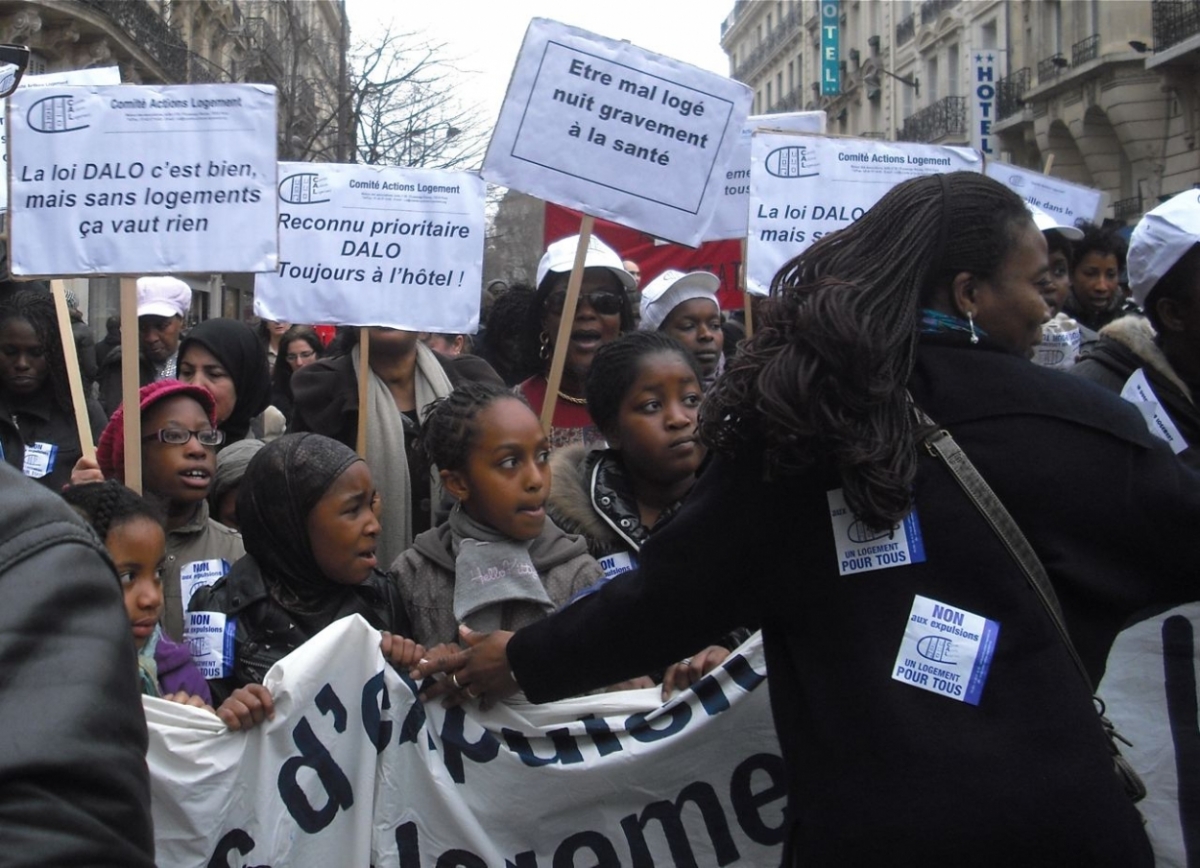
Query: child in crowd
(179,441)
(644,392)
(685,307)
(497,563)
(308,511)
(231,467)
(132,531)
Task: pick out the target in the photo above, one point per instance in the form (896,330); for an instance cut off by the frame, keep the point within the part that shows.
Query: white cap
(1045,222)
(671,289)
(163,296)
(560,257)
(1160,239)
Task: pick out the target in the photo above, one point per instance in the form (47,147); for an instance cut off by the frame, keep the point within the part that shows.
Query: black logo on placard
(1016,181)
(304,188)
(793,161)
(55,114)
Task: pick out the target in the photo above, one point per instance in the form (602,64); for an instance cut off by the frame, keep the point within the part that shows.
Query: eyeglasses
(293,357)
(180,436)
(601,301)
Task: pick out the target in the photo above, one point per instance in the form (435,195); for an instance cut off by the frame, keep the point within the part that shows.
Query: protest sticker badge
(946,650)
(616,131)
(861,548)
(733,185)
(1071,204)
(803,187)
(374,245)
(137,179)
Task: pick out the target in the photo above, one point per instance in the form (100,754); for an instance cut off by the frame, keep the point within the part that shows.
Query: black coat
(879,772)
(41,420)
(74,789)
(266,631)
(109,378)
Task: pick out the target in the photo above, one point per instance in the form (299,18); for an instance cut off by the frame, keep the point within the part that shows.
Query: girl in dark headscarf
(228,359)
(309,518)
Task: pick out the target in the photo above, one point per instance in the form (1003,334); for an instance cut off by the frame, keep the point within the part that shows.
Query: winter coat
(1128,345)
(201,539)
(873,763)
(425,577)
(39,419)
(109,378)
(267,631)
(75,787)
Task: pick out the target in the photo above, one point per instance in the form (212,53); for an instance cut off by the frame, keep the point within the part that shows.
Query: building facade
(300,46)
(1105,93)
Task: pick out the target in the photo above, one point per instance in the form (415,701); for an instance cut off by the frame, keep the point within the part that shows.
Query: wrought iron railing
(1174,21)
(1009,91)
(787,27)
(1126,208)
(946,117)
(1051,67)
(147,28)
(906,28)
(1085,50)
(931,9)
(790,102)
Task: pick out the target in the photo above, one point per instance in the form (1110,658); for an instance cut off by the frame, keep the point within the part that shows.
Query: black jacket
(873,765)
(74,788)
(41,420)
(267,632)
(109,378)
(1128,344)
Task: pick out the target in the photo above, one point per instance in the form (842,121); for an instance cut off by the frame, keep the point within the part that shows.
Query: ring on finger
(471,693)
(454,681)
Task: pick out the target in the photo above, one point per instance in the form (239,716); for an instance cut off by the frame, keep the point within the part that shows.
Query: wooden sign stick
(747,299)
(364,393)
(558,362)
(131,384)
(74,378)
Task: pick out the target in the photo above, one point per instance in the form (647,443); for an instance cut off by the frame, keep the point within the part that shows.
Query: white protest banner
(803,187)
(99,75)
(1149,691)
(369,245)
(354,770)
(1070,203)
(615,131)
(142,180)
(729,219)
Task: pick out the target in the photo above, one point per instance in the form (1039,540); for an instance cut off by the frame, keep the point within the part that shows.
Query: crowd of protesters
(696,467)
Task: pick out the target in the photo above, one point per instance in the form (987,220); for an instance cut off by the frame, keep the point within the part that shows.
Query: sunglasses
(600,300)
(180,436)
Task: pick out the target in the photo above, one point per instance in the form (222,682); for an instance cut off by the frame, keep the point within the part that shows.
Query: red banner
(722,258)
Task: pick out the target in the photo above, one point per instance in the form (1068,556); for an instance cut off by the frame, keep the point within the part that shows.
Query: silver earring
(971,320)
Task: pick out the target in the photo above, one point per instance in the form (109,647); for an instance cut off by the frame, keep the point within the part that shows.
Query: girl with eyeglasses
(38,435)
(603,314)
(300,346)
(179,442)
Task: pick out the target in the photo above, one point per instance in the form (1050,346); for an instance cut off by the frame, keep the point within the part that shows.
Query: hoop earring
(543,346)
(971,320)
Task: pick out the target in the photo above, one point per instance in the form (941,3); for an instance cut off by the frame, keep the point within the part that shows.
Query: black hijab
(283,483)
(243,355)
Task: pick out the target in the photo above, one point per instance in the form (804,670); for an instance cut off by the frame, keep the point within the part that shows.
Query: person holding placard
(685,307)
(603,313)
(925,698)
(162,303)
(406,377)
(38,434)
(1154,360)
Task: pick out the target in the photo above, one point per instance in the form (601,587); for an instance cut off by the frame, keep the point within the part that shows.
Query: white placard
(354,770)
(142,180)
(803,187)
(369,245)
(100,75)
(1070,203)
(1138,391)
(729,221)
(616,131)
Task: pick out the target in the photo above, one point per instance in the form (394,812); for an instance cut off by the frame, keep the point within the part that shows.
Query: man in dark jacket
(110,341)
(162,304)
(1156,360)
(74,788)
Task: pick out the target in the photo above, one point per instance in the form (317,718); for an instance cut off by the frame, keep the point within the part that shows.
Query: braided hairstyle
(109,504)
(616,366)
(37,308)
(449,429)
(823,380)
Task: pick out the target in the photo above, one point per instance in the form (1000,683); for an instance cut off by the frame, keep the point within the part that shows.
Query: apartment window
(931,77)
(769,103)
(906,97)
(952,71)
(989,35)
(791,76)
(768,23)
(779,84)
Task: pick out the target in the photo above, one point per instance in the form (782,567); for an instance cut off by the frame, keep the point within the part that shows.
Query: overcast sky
(485,35)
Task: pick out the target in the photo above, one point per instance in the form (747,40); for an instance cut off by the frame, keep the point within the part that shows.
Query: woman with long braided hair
(924,700)
(37,422)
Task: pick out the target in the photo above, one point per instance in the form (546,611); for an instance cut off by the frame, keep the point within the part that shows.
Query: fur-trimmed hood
(1137,335)
(570,504)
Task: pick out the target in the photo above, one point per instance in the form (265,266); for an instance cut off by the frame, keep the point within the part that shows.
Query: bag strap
(941,445)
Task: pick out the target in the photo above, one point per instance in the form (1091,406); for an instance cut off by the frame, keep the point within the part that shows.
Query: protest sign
(100,75)
(136,180)
(803,187)
(1072,204)
(733,201)
(354,770)
(1149,689)
(372,245)
(616,131)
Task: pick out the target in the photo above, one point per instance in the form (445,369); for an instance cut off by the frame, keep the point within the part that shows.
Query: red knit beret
(110,451)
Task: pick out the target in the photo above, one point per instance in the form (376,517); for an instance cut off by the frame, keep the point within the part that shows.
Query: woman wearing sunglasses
(179,457)
(602,315)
